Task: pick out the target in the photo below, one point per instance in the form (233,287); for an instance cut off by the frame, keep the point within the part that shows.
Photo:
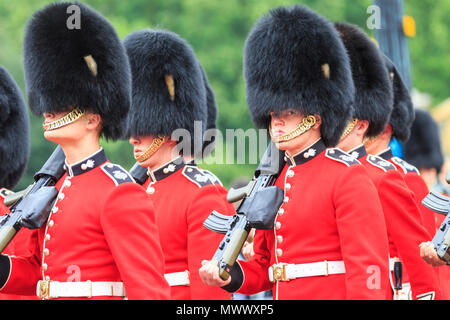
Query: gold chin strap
(350,125)
(156,144)
(72,116)
(306,124)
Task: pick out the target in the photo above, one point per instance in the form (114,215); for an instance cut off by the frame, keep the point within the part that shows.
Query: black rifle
(31,207)
(258,209)
(441,204)
(139,173)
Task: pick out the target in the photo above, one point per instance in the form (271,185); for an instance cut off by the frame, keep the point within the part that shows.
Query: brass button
(279,239)
(47,237)
(44,267)
(287,187)
(51,223)
(277,225)
(151,190)
(46,252)
(280,211)
(279,252)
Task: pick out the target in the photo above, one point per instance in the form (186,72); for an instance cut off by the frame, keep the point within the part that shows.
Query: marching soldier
(423,150)
(373,106)
(399,127)
(14,153)
(170,93)
(100,240)
(327,243)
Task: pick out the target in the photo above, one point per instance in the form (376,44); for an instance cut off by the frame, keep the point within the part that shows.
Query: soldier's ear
(318,121)
(94,120)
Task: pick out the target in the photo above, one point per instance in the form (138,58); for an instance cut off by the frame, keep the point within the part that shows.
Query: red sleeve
(24,271)
(202,243)
(255,271)
(420,189)
(128,222)
(363,235)
(403,221)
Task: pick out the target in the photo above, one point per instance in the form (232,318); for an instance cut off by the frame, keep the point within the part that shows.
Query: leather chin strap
(70,117)
(156,144)
(306,124)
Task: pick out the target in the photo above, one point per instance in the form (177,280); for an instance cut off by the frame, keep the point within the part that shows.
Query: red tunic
(417,185)
(101,228)
(403,222)
(331,212)
(184,196)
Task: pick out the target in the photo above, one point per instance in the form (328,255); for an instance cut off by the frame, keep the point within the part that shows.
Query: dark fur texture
(14,132)
(402,115)
(152,55)
(57,75)
(212,112)
(283,58)
(373,95)
(423,149)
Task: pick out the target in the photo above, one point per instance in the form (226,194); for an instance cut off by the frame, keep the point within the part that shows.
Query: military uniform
(335,246)
(100,240)
(404,225)
(417,185)
(184,196)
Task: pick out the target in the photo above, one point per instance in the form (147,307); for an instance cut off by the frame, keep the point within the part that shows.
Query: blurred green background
(217,31)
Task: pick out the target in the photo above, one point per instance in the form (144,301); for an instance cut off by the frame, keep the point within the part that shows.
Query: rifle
(31,207)
(139,173)
(260,203)
(441,204)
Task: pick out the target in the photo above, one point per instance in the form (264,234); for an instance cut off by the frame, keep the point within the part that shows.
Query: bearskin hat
(294,58)
(84,66)
(423,149)
(212,112)
(402,115)
(373,92)
(14,132)
(169,88)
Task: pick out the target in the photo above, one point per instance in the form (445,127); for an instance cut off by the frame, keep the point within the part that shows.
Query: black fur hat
(59,73)
(212,113)
(14,132)
(294,58)
(373,92)
(423,149)
(402,115)
(169,90)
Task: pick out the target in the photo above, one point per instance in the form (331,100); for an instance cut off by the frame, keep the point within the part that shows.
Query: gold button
(287,186)
(51,223)
(44,267)
(67,183)
(151,190)
(286,199)
(281,211)
(55,209)
(277,225)
(279,239)
(47,237)
(61,196)
(46,252)
(279,252)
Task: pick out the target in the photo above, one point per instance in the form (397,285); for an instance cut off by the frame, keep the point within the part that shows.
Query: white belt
(55,289)
(178,278)
(286,272)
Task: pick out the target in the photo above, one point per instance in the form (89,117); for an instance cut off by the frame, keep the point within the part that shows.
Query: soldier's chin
(56,135)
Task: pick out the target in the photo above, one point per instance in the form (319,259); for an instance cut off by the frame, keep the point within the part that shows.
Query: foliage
(217,31)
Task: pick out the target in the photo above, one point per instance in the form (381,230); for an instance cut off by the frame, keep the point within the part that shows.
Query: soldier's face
(284,122)
(162,155)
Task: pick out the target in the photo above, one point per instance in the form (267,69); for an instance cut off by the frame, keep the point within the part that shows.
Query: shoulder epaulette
(117,174)
(197,176)
(5,192)
(341,156)
(406,167)
(380,163)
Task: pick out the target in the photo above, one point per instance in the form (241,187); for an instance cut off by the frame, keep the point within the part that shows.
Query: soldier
(399,127)
(14,136)
(423,150)
(373,106)
(327,243)
(100,240)
(169,93)
(14,153)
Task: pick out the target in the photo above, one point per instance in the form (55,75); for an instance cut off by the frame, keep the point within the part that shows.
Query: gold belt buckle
(279,272)
(44,289)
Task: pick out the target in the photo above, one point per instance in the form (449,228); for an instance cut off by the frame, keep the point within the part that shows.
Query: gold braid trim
(306,124)
(156,144)
(72,116)
(351,124)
